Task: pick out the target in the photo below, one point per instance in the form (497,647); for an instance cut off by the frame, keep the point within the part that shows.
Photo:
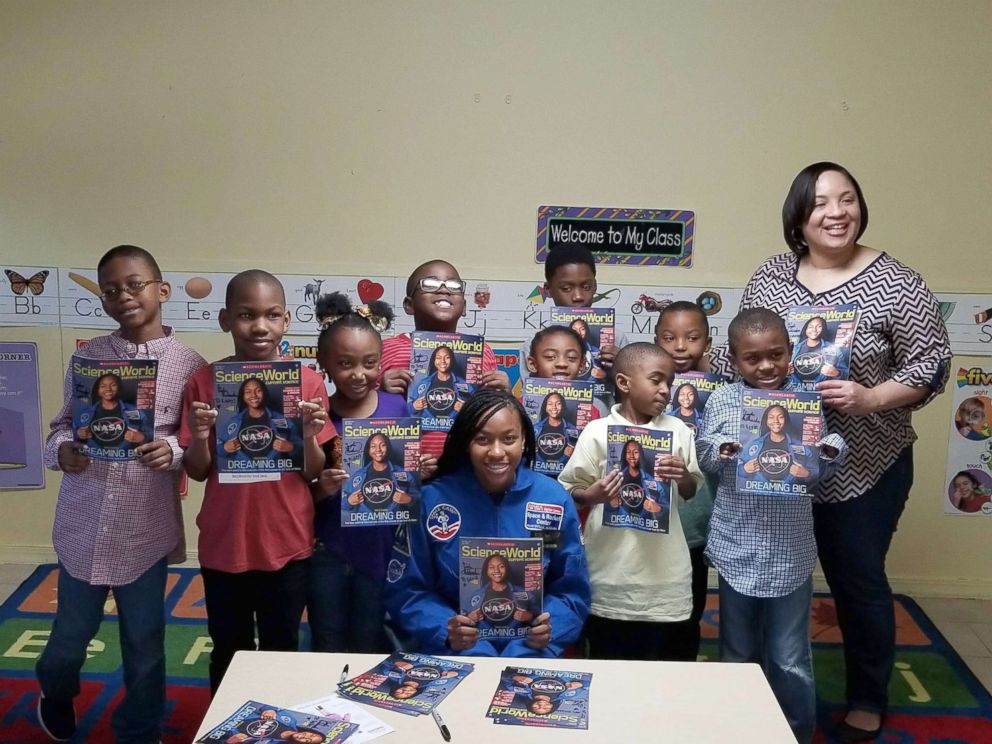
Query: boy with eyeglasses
(117,524)
(435,297)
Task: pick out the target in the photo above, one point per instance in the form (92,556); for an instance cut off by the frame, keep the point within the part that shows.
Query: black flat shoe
(846,732)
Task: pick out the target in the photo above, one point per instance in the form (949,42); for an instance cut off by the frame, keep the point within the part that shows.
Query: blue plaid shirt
(763,546)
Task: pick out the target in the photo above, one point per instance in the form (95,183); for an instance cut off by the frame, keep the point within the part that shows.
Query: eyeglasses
(132,288)
(433,285)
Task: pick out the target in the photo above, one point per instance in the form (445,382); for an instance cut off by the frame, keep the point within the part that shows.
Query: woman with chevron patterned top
(899,362)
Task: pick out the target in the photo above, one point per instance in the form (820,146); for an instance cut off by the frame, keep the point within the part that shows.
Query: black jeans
(853,538)
(237,602)
(638,640)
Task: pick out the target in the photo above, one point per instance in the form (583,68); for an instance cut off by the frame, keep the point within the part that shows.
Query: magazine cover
(596,326)
(690,391)
(779,433)
(113,406)
(501,583)
(541,697)
(382,457)
(644,502)
(260,722)
(446,369)
(821,337)
(560,410)
(406,683)
(259,431)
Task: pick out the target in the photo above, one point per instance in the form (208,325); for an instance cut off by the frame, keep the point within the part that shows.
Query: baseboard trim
(915,586)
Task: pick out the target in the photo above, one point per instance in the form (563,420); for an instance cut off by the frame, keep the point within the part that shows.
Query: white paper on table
(335,707)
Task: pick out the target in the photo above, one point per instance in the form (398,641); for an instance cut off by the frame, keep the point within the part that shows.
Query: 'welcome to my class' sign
(636,237)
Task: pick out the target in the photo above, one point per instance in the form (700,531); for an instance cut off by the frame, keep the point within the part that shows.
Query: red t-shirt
(396,352)
(253,526)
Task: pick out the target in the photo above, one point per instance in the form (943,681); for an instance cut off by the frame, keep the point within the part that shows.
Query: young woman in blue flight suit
(484,488)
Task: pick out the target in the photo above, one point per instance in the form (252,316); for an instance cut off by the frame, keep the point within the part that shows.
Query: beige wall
(313,136)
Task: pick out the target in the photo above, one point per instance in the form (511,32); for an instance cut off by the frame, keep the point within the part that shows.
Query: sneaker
(57,718)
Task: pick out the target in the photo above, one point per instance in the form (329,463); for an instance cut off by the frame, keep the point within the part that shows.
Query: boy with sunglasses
(435,297)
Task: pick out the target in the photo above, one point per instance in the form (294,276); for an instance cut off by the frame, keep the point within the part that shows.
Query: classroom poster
(968,489)
(21,443)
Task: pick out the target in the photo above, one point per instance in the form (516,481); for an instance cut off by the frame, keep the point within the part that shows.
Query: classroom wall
(359,137)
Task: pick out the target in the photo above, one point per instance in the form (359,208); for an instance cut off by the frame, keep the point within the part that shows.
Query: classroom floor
(965,623)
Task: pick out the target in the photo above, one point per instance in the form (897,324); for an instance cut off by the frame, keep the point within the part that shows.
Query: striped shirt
(396,353)
(763,546)
(900,336)
(114,520)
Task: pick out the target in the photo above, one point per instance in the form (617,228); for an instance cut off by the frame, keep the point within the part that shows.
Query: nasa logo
(107,429)
(261,728)
(256,438)
(632,495)
(424,673)
(497,610)
(443,522)
(441,400)
(774,461)
(551,445)
(395,570)
(378,491)
(808,363)
(551,686)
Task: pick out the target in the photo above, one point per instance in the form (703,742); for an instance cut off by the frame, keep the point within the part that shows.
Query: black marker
(445,734)
(344,674)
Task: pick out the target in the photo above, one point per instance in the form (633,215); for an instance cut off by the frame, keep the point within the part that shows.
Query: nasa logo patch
(443,522)
(394,571)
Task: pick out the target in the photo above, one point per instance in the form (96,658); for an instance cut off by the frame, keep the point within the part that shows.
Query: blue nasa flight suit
(423,591)
(241,418)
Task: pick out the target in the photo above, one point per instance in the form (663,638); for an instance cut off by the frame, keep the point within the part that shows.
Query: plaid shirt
(113,520)
(763,546)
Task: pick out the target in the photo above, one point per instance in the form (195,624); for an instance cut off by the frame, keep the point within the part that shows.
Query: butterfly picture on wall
(35,284)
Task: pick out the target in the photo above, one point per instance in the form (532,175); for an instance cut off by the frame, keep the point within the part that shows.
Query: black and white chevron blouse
(900,336)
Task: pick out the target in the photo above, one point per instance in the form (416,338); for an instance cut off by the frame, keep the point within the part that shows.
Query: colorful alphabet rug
(934,696)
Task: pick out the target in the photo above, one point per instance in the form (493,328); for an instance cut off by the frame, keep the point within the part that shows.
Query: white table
(629,701)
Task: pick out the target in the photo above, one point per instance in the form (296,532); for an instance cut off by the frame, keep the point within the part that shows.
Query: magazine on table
(547,698)
(446,370)
(113,406)
(644,502)
(780,431)
(501,583)
(407,683)
(256,722)
(382,458)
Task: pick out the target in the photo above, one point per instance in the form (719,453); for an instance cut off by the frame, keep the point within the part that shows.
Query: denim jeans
(774,632)
(344,607)
(141,623)
(853,539)
(236,602)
